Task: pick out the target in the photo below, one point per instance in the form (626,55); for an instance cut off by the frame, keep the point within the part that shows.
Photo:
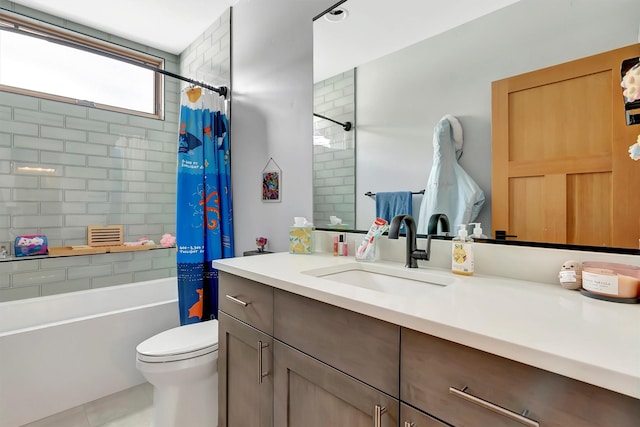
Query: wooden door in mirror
(561,168)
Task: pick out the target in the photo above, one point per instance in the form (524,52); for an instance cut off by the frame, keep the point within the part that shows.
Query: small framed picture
(271,186)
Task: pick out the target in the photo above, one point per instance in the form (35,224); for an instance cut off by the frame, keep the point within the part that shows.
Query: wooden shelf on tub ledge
(55,251)
(75,250)
(130,248)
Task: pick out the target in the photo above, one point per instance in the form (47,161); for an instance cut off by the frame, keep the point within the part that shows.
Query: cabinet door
(245,369)
(309,393)
(411,417)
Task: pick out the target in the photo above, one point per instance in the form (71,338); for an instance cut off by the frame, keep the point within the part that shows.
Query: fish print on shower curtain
(204,221)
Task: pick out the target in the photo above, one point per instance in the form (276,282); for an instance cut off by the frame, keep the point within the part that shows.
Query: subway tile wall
(208,58)
(334,150)
(109,168)
(36,277)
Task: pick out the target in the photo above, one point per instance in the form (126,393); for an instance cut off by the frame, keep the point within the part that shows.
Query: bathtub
(61,351)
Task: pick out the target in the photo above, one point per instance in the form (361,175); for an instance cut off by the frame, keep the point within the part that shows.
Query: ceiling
(168,25)
(382,25)
(375,28)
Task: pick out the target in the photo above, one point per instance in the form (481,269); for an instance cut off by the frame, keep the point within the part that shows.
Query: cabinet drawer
(361,346)
(246,300)
(444,379)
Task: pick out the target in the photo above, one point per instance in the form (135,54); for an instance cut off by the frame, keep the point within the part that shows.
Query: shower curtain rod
(222,90)
(32,32)
(346,126)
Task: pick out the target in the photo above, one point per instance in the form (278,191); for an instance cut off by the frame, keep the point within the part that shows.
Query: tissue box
(301,240)
(31,244)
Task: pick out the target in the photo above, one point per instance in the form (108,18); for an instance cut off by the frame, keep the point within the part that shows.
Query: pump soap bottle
(477,231)
(462,252)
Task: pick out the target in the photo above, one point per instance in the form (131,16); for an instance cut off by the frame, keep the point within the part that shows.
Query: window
(60,65)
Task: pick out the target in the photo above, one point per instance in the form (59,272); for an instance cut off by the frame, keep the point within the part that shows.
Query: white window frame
(93,45)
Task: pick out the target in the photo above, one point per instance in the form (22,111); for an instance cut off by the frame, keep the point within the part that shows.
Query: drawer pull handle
(261,373)
(409,424)
(237,301)
(378,411)
(493,407)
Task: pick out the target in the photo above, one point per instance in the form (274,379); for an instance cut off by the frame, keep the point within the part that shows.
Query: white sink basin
(390,280)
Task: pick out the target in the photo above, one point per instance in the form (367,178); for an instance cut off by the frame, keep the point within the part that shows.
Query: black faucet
(413,254)
(436,219)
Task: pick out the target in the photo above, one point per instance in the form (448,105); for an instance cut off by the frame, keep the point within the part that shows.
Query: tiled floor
(128,408)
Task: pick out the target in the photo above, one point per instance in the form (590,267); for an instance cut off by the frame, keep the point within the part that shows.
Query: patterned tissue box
(301,240)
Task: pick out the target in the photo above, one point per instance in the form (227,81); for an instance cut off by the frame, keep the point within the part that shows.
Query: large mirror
(444,65)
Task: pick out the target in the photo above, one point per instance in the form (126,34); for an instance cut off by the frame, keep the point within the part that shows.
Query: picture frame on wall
(271,182)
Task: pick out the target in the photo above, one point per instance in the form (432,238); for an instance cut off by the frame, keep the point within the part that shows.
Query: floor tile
(118,406)
(149,389)
(75,417)
(136,419)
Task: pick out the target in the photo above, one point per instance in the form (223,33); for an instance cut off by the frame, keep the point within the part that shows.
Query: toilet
(182,366)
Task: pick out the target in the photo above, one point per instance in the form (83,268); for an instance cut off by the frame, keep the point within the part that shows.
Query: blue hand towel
(393,203)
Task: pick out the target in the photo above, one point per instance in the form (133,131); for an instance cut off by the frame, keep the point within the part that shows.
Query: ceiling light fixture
(336,15)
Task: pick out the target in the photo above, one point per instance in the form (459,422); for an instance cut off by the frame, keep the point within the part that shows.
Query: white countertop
(538,324)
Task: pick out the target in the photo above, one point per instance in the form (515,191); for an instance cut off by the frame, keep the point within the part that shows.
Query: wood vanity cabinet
(365,348)
(333,367)
(290,361)
(468,387)
(245,353)
(326,366)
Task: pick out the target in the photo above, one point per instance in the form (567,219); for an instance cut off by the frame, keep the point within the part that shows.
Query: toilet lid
(180,343)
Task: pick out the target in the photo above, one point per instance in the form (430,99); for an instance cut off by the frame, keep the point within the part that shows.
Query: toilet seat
(181,343)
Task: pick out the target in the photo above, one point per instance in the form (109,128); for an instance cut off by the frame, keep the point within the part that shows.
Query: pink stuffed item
(168,241)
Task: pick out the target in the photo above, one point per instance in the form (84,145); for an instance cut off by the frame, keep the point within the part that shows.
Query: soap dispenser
(477,231)
(462,252)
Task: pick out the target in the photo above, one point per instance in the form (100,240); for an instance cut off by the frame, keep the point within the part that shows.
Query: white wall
(271,101)
(452,74)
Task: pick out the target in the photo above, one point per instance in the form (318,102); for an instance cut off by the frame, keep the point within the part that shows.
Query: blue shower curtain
(204,220)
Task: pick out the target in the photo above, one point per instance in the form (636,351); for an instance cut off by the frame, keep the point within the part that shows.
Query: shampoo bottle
(462,252)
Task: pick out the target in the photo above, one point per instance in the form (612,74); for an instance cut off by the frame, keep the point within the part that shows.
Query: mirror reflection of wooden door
(561,167)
